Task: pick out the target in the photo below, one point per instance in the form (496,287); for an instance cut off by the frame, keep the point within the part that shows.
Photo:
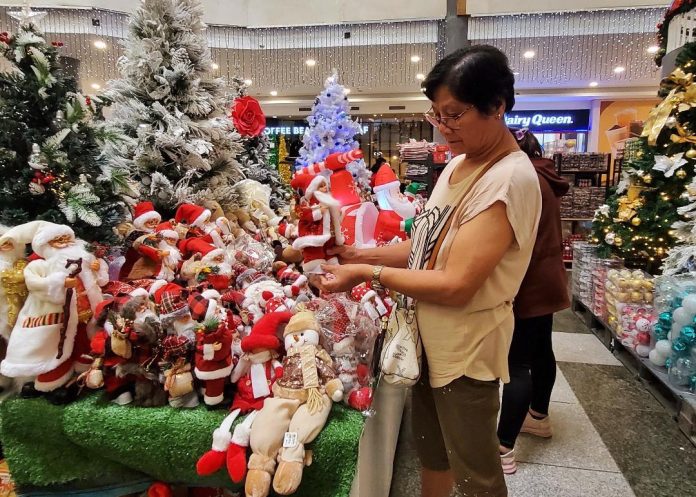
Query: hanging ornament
(35,158)
(647,179)
(59,120)
(671,122)
(610,238)
(636,221)
(618,241)
(681,174)
(36,189)
(668,165)
(691,153)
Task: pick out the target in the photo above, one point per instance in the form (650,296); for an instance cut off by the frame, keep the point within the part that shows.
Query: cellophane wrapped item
(254,254)
(350,334)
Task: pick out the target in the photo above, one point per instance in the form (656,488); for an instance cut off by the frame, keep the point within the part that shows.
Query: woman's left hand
(343,278)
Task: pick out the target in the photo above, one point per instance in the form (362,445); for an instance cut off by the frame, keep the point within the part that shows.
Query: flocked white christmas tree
(186,148)
(331,128)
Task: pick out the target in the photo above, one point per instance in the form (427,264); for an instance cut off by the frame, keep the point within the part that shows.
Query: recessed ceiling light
(594,84)
(215,66)
(96,86)
(652,49)
(275,117)
(529,54)
(248,82)
(347,91)
(310,62)
(420,76)
(415,58)
(619,69)
(516,73)
(100,44)
(274,93)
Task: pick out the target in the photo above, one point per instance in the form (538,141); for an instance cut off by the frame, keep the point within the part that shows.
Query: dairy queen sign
(557,121)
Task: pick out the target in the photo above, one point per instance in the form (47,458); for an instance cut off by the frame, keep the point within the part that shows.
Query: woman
(544,291)
(490,194)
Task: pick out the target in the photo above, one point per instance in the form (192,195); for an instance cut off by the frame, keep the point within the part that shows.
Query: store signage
(292,130)
(550,120)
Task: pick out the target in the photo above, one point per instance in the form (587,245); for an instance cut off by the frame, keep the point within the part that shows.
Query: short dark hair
(528,143)
(478,74)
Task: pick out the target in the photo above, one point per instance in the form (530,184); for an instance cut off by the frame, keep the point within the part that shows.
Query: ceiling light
(619,69)
(248,82)
(515,73)
(420,76)
(275,117)
(274,93)
(347,91)
(594,84)
(415,58)
(96,86)
(529,54)
(100,44)
(310,62)
(653,49)
(215,66)
(394,157)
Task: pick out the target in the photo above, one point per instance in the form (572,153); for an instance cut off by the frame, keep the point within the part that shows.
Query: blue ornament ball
(679,346)
(688,335)
(666,318)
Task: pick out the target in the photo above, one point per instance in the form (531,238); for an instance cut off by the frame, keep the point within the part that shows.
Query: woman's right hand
(346,254)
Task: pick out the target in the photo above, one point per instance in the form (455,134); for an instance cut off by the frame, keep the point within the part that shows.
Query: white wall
(492,7)
(255,13)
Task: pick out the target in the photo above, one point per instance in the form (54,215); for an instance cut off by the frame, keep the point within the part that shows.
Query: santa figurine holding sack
(50,339)
(145,221)
(319,228)
(213,359)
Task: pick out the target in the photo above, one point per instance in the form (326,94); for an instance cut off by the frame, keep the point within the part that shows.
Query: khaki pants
(277,417)
(455,428)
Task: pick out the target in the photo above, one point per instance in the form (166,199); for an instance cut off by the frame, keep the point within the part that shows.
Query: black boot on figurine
(63,395)
(29,391)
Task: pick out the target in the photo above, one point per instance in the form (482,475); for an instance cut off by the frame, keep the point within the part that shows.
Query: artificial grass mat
(92,442)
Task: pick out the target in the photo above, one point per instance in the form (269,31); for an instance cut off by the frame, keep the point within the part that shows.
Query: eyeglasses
(450,122)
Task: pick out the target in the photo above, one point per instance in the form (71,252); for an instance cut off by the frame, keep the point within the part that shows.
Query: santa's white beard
(183,327)
(401,205)
(224,268)
(326,199)
(140,317)
(174,257)
(61,255)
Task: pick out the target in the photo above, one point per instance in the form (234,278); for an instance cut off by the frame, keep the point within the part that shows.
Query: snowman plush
(297,412)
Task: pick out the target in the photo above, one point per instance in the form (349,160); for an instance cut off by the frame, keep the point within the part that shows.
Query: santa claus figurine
(319,228)
(198,221)
(208,265)
(254,375)
(160,257)
(145,220)
(300,406)
(213,359)
(396,212)
(50,339)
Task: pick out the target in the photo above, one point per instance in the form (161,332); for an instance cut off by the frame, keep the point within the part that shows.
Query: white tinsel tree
(331,128)
(185,146)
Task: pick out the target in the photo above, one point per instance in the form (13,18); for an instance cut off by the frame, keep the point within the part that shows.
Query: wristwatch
(375,283)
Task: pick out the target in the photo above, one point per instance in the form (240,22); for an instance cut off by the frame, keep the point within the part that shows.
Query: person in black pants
(525,405)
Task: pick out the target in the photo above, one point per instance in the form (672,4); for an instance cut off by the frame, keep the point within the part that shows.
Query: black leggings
(532,375)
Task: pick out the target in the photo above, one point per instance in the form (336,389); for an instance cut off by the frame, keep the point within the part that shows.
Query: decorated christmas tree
(51,139)
(654,205)
(250,122)
(331,128)
(185,147)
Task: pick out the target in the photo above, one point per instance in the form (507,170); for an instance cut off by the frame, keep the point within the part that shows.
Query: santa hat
(193,215)
(139,292)
(302,321)
(192,246)
(212,254)
(167,230)
(294,289)
(21,235)
(143,213)
(233,297)
(224,224)
(201,308)
(47,233)
(362,294)
(385,179)
(266,295)
(211,293)
(314,185)
(160,287)
(276,304)
(173,305)
(264,333)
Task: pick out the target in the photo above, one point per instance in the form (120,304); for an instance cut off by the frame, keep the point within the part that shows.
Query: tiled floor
(611,437)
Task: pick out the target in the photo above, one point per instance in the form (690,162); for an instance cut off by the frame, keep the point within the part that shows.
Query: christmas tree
(654,204)
(331,128)
(185,148)
(51,139)
(250,122)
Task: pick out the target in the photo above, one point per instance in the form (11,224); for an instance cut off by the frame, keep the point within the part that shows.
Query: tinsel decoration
(284,167)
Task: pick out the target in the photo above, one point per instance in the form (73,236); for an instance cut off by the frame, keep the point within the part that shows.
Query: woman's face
(475,131)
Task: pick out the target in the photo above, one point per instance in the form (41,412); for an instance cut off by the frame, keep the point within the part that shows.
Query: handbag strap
(445,229)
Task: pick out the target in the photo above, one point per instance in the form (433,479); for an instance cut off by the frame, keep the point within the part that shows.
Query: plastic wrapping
(629,309)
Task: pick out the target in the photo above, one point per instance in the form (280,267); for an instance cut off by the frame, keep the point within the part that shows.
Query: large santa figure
(319,227)
(396,212)
(50,337)
(145,221)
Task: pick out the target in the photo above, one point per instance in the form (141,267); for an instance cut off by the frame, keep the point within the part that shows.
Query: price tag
(290,440)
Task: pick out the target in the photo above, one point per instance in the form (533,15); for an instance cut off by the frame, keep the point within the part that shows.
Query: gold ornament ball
(618,241)
(639,154)
(691,153)
(636,221)
(647,179)
(681,174)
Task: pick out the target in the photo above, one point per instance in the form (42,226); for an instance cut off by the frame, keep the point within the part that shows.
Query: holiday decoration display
(396,212)
(330,127)
(651,209)
(50,145)
(182,147)
(629,298)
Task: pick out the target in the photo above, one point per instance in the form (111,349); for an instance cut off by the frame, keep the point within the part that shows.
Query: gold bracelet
(375,283)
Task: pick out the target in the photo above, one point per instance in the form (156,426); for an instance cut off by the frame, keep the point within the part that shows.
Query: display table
(94,448)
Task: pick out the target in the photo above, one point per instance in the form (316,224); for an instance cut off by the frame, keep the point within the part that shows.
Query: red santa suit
(197,218)
(213,361)
(138,240)
(34,346)
(317,231)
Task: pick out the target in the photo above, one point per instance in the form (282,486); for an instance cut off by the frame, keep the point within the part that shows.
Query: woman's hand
(343,278)
(347,254)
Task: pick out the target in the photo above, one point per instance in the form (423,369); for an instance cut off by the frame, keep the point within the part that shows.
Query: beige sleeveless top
(473,340)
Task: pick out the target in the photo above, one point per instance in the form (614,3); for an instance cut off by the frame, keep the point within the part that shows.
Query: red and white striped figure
(333,162)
